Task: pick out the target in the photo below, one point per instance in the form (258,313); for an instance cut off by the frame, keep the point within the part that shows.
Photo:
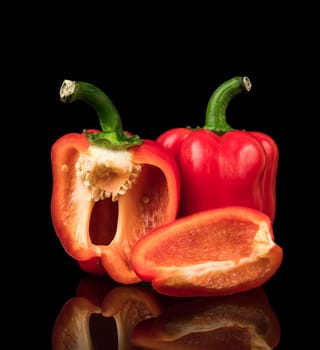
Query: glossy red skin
(159,180)
(93,266)
(236,168)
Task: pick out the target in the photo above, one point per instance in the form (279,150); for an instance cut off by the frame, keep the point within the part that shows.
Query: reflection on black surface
(106,315)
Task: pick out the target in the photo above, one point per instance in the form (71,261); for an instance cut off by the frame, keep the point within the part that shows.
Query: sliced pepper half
(110,188)
(215,252)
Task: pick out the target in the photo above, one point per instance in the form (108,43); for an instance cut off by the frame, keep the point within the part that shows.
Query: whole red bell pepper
(221,166)
(110,188)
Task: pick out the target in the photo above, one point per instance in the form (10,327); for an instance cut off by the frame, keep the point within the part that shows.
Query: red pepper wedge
(209,253)
(221,166)
(110,188)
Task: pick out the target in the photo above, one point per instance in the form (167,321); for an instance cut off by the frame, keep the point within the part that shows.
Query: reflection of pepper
(109,188)
(240,321)
(221,166)
(102,314)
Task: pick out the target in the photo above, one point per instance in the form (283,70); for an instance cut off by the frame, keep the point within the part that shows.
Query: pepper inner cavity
(103,222)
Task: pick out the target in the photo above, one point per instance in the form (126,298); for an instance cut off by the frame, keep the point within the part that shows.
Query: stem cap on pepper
(111,135)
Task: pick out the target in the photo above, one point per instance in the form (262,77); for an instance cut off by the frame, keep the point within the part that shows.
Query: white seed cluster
(106,178)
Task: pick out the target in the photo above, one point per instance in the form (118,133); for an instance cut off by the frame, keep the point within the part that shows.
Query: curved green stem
(112,135)
(219,101)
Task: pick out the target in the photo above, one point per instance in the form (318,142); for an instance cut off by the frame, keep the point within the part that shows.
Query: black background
(159,69)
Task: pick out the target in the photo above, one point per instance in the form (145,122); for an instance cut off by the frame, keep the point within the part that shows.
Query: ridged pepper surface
(221,166)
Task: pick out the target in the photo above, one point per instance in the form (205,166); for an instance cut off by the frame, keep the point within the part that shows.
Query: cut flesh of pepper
(215,252)
(92,225)
(109,188)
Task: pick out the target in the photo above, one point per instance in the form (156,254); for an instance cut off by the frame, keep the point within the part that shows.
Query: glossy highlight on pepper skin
(107,193)
(222,166)
(215,252)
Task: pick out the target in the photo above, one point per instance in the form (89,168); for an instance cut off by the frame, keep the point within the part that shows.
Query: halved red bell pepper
(110,188)
(221,166)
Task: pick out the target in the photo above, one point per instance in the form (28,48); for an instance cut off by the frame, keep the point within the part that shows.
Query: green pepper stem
(219,101)
(112,135)
(108,115)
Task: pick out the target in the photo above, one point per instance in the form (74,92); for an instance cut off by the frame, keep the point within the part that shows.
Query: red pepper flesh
(221,166)
(109,189)
(215,252)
